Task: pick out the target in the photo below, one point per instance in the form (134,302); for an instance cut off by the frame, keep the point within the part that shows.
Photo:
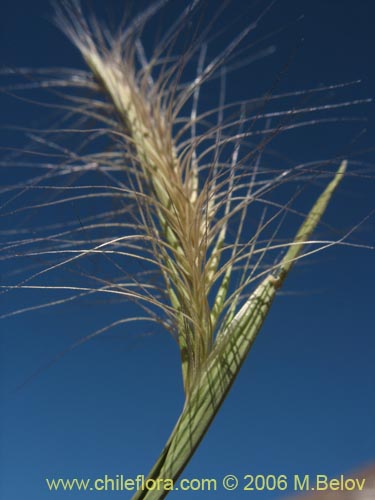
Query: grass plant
(173,188)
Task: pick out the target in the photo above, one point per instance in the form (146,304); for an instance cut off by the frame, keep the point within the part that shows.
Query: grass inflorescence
(181,193)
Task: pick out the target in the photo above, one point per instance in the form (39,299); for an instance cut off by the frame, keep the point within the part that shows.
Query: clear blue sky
(304,400)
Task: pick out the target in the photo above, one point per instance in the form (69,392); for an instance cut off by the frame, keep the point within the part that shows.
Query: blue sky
(304,400)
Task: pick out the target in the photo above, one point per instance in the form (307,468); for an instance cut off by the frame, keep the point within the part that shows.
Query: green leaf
(222,366)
